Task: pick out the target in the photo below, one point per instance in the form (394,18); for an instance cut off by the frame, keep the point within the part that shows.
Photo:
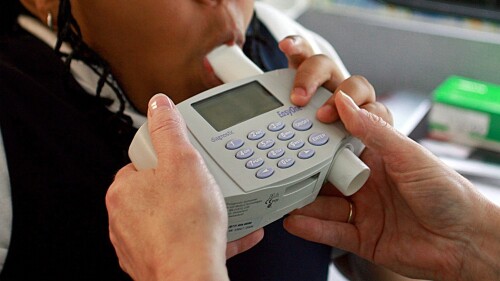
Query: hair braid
(69,31)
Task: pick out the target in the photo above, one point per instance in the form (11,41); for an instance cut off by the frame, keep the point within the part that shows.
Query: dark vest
(62,151)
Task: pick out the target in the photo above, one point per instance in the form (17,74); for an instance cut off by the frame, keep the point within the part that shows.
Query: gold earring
(50,24)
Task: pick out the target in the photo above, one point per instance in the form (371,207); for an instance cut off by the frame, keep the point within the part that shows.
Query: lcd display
(236,105)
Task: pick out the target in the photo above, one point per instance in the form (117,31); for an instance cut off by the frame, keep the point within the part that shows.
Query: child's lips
(211,79)
(208,66)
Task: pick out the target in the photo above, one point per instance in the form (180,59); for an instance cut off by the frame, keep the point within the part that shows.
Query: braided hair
(69,31)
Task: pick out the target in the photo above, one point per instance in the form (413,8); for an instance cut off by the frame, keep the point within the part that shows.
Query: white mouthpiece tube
(348,173)
(231,64)
(141,150)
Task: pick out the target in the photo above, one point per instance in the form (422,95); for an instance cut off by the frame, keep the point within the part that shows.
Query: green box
(466,111)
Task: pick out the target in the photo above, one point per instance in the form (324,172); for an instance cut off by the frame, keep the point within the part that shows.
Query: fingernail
(349,101)
(326,110)
(300,92)
(294,39)
(160,101)
(299,96)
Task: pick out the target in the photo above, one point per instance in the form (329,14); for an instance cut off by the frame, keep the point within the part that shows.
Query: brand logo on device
(273,198)
(289,112)
(221,137)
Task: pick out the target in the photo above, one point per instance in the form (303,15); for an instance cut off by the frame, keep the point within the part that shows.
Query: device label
(256,206)
(242,226)
(240,208)
(273,198)
(289,112)
(223,136)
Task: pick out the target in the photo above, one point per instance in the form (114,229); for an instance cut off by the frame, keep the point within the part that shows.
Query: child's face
(160,45)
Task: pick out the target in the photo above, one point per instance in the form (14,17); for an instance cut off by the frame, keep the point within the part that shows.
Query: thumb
(166,126)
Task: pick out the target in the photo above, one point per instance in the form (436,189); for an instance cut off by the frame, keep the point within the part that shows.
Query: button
(302,124)
(276,153)
(256,135)
(244,153)
(234,144)
(254,163)
(306,153)
(265,144)
(286,135)
(276,126)
(318,139)
(264,173)
(286,163)
(296,144)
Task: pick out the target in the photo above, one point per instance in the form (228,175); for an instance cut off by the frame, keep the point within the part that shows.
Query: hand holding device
(267,155)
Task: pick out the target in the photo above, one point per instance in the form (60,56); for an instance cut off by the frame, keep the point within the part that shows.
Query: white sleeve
(281,26)
(5,206)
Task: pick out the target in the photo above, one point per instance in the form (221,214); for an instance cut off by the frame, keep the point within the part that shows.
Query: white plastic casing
(141,151)
(348,173)
(253,202)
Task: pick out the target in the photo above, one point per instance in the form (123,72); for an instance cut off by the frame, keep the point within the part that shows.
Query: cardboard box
(466,111)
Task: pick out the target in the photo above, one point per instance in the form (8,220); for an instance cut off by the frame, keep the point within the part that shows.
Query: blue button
(286,163)
(296,144)
(254,163)
(302,124)
(256,135)
(276,126)
(265,144)
(244,153)
(264,173)
(234,144)
(318,139)
(306,153)
(286,135)
(276,153)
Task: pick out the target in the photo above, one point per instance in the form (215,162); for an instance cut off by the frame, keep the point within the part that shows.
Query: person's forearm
(205,272)
(193,265)
(198,261)
(483,259)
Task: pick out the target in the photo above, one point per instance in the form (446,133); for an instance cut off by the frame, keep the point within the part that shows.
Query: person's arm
(415,215)
(169,223)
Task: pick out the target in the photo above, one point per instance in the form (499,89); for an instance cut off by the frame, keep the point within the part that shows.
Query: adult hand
(170,222)
(414,215)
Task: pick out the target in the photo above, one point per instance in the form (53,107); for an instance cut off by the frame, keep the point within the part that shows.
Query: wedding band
(351,213)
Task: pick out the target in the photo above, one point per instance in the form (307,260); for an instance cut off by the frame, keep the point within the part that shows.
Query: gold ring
(351,213)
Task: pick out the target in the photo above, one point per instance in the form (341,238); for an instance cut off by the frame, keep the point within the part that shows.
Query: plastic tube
(348,173)
(231,64)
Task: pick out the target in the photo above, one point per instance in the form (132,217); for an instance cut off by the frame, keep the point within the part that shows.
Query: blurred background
(436,65)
